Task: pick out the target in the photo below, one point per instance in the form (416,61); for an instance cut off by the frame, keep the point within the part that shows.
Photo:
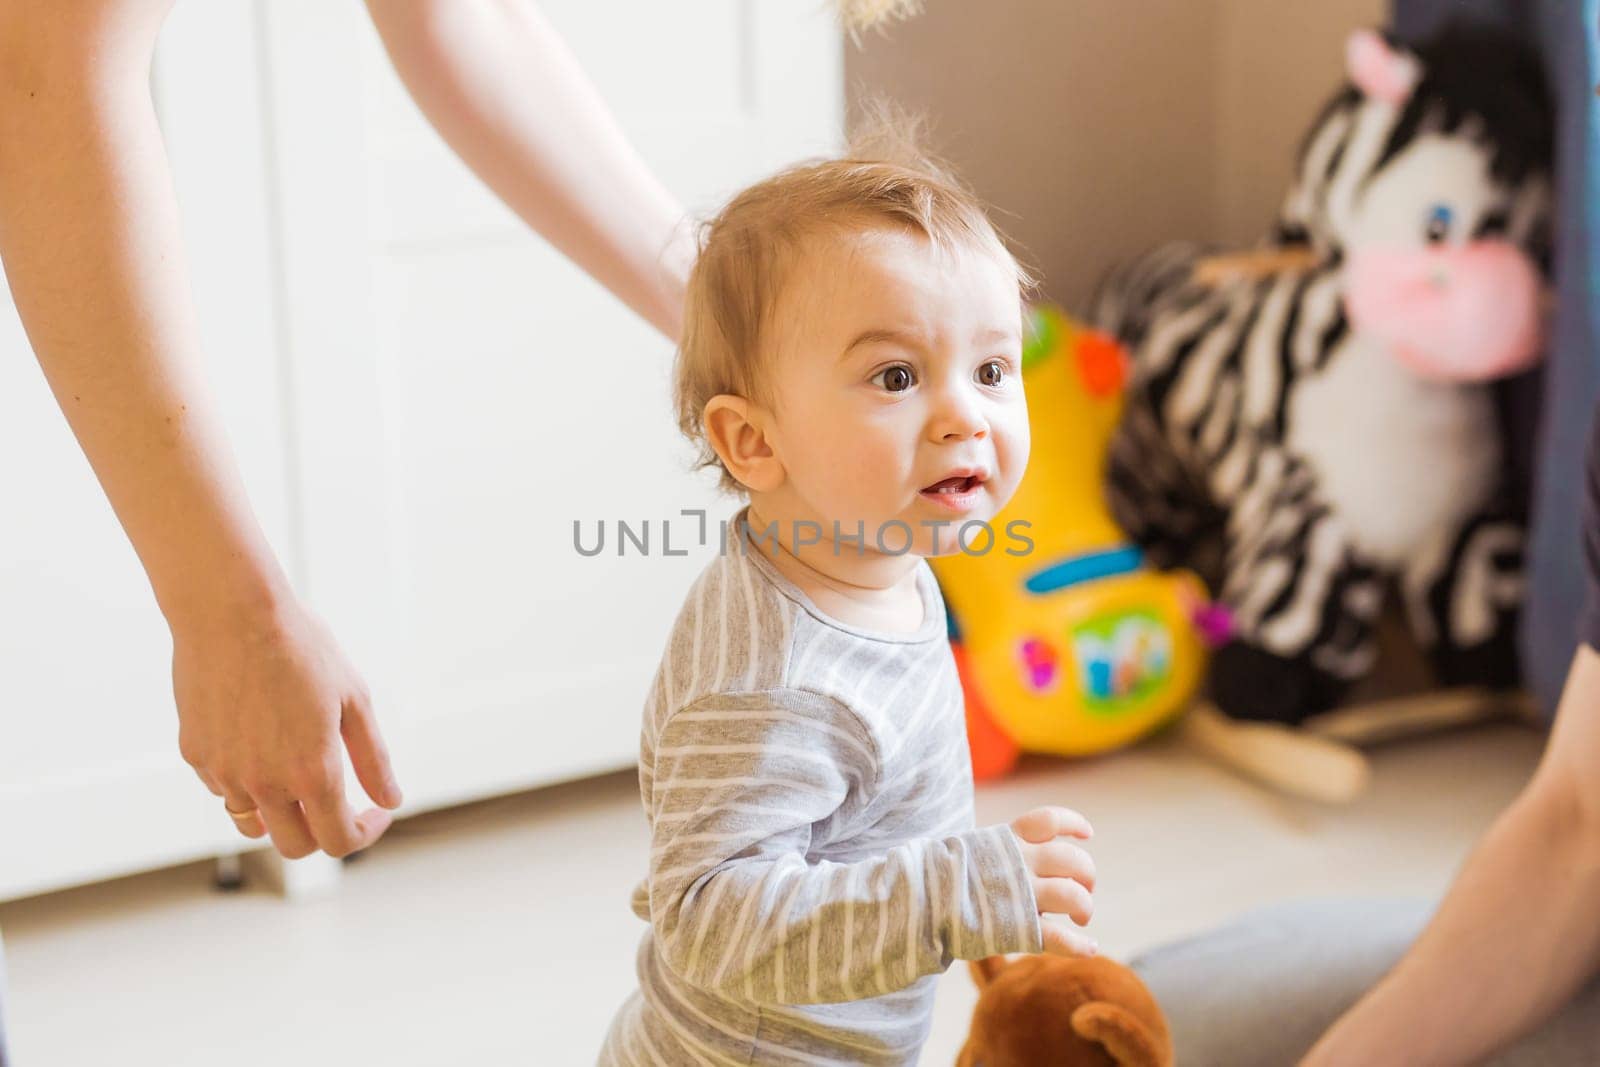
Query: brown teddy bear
(1047,1011)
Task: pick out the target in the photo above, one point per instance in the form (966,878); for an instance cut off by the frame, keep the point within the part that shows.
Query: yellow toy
(1070,647)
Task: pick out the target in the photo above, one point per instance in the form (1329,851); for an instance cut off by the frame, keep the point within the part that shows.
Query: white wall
(1099,127)
(1275,65)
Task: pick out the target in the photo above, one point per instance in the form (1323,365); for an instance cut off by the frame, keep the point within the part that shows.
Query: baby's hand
(1063,876)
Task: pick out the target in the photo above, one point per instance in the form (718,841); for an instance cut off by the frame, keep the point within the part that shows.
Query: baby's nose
(956,433)
(959,415)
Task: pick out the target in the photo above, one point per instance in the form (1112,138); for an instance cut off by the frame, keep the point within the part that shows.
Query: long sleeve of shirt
(746,786)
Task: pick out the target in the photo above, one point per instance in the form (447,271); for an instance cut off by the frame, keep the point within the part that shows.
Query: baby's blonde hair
(746,250)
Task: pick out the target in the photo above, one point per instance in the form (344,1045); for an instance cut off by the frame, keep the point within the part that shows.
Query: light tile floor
(500,933)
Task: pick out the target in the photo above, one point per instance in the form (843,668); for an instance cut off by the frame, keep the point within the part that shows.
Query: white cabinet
(424,398)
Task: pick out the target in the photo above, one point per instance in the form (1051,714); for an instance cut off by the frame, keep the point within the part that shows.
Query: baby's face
(899,390)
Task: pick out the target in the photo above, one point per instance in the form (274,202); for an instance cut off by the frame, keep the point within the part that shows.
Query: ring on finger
(240,816)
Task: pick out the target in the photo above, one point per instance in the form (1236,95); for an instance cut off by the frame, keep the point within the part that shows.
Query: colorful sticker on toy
(1041,668)
(1122,659)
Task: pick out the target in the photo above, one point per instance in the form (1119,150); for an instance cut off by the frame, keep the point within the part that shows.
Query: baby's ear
(734,429)
(986,971)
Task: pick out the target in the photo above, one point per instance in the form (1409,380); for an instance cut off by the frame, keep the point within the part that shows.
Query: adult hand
(264,699)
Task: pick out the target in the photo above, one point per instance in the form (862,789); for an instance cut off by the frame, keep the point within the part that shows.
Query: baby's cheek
(860,475)
(1012,443)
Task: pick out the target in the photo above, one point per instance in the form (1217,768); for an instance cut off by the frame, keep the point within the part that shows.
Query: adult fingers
(336,828)
(242,810)
(1047,823)
(291,835)
(368,754)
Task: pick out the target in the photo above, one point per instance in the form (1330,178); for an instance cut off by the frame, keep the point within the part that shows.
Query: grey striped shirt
(813,859)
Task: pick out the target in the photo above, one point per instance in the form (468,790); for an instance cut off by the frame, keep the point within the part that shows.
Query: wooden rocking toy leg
(1420,713)
(1285,758)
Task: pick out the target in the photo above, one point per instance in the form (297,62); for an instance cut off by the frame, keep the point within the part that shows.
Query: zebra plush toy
(1332,432)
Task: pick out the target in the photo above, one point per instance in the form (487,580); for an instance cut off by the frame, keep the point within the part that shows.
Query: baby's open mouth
(955,486)
(958,494)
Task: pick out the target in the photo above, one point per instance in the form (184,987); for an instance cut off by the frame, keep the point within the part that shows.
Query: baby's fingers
(1060,859)
(1062,940)
(1062,896)
(1047,823)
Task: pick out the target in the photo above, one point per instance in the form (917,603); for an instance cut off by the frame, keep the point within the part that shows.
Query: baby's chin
(942,534)
(953,543)
(945,548)
(918,528)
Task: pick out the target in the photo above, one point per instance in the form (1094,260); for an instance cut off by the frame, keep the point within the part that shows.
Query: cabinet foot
(303,879)
(228,873)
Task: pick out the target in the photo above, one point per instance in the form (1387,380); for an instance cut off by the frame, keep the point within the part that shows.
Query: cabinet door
(463,395)
(91,783)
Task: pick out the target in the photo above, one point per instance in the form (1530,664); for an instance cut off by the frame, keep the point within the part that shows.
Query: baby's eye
(992,372)
(1438,226)
(896,379)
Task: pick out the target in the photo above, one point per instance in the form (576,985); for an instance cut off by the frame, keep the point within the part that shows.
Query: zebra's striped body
(1317,467)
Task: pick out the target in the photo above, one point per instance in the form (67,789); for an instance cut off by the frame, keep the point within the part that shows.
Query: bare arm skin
(503,89)
(1519,931)
(90,238)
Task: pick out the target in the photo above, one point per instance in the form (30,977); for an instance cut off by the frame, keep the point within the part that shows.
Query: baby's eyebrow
(869,337)
(993,335)
(996,335)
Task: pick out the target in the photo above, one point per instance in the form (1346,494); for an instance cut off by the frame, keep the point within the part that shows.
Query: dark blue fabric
(1591,535)
(1557,594)
(1565,33)
(1413,19)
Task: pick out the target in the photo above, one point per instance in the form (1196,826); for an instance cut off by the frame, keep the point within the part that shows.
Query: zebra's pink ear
(1379,71)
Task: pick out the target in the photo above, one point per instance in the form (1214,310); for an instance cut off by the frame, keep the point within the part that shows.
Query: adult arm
(503,89)
(92,248)
(1518,932)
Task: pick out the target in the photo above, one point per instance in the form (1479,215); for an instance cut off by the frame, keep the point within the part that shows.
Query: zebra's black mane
(1473,71)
